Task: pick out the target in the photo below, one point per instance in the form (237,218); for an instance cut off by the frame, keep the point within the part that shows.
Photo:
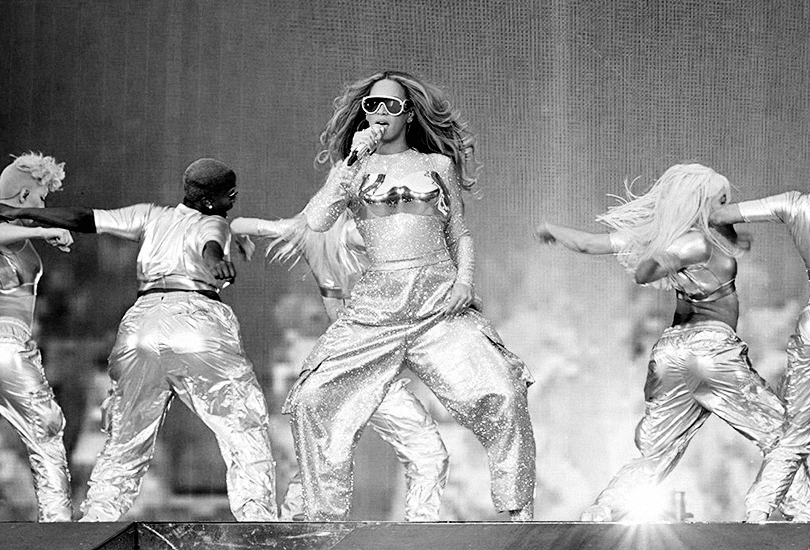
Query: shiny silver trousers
(27,402)
(694,371)
(402,421)
(461,359)
(186,345)
(779,467)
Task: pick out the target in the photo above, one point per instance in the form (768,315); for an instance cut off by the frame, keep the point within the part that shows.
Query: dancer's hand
(543,234)
(214,257)
(223,270)
(461,296)
(60,238)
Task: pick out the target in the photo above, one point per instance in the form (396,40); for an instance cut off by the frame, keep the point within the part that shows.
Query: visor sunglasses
(394,106)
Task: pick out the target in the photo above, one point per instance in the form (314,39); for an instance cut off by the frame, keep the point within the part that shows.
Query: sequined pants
(464,363)
(27,402)
(694,371)
(182,344)
(402,421)
(781,465)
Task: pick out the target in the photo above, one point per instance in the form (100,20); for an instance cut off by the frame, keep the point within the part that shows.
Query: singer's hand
(365,141)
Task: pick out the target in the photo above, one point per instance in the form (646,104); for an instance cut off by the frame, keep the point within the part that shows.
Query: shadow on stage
(404,536)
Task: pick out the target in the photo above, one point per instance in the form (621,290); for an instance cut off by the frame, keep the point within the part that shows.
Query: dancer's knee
(50,421)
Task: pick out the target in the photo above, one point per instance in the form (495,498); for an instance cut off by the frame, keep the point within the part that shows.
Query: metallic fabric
(694,370)
(394,320)
(172,240)
(792,209)
(186,345)
(402,421)
(342,190)
(27,402)
(781,465)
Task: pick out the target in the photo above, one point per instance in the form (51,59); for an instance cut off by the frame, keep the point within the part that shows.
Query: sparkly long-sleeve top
(408,208)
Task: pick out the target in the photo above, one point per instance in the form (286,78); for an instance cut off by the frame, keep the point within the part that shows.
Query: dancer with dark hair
(336,259)
(699,365)
(178,339)
(402,179)
(26,398)
(781,464)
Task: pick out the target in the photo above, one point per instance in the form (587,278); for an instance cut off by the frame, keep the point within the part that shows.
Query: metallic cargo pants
(182,344)
(461,359)
(694,371)
(789,457)
(402,421)
(27,402)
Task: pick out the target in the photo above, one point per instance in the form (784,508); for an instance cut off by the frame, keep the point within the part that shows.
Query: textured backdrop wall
(569,100)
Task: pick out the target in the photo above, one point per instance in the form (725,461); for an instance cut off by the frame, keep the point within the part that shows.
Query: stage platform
(403,536)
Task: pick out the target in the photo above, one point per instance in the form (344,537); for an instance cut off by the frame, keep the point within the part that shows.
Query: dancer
(699,365)
(336,258)
(402,178)
(178,339)
(781,465)
(26,398)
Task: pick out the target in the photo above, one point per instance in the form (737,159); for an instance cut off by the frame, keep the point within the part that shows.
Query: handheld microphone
(355,154)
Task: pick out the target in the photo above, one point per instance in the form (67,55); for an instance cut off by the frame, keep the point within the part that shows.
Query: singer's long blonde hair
(679,201)
(436,126)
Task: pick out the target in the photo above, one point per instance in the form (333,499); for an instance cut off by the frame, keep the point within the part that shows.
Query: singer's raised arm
(332,199)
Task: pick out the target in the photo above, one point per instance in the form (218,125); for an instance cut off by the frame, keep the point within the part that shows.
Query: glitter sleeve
(332,199)
(459,240)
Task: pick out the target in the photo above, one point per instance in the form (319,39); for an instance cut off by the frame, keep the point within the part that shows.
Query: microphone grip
(352,158)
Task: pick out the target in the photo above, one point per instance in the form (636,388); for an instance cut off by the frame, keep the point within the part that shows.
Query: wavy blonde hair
(678,202)
(436,126)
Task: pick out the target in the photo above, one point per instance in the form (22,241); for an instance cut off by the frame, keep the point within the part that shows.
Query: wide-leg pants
(694,371)
(186,345)
(461,359)
(779,467)
(402,421)
(27,402)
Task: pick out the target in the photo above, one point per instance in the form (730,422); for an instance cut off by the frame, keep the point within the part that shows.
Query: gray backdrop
(568,98)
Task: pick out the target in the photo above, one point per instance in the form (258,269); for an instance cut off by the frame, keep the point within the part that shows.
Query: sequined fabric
(342,191)
(694,371)
(394,320)
(402,421)
(27,402)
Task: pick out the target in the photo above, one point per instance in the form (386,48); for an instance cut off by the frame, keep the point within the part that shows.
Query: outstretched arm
(60,238)
(727,215)
(257,227)
(583,242)
(73,218)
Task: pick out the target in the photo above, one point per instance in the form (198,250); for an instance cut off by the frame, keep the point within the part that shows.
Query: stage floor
(403,536)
